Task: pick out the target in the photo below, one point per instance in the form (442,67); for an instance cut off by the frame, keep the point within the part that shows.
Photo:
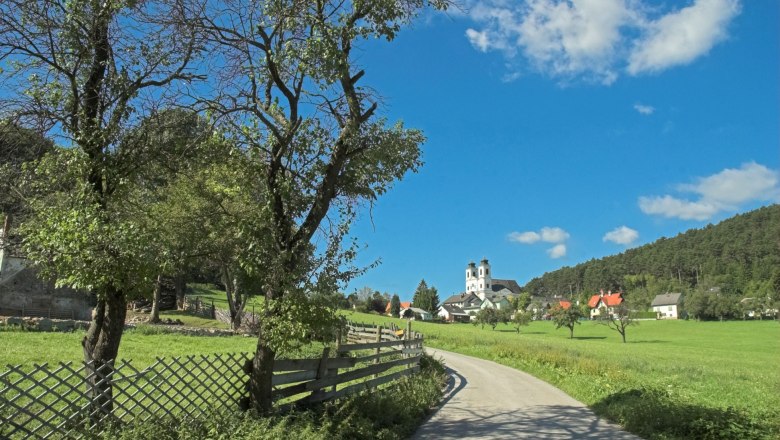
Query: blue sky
(560,131)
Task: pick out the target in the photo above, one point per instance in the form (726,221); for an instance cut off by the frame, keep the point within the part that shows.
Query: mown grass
(142,346)
(673,379)
(210,294)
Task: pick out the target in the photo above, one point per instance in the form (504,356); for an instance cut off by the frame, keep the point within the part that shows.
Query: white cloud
(546,234)
(478,39)
(525,237)
(644,109)
(554,235)
(621,235)
(724,191)
(557,251)
(597,39)
(682,36)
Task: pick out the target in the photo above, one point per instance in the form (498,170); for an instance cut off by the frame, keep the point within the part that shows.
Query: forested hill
(739,256)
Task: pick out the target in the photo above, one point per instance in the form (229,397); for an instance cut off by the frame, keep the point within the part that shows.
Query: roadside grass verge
(672,380)
(393,412)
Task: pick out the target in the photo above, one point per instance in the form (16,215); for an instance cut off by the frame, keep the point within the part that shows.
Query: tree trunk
(101,346)
(262,373)
(180,284)
(155,315)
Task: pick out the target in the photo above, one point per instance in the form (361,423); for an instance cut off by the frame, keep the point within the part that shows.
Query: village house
(606,301)
(404,305)
(482,291)
(540,307)
(667,305)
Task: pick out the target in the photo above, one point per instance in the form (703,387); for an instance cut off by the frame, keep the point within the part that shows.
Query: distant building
(606,301)
(667,305)
(482,291)
(404,305)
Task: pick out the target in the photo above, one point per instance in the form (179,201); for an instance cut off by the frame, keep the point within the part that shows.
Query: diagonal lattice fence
(62,401)
(71,399)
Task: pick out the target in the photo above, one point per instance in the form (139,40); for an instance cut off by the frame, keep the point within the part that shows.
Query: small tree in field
(488,316)
(521,318)
(619,320)
(566,317)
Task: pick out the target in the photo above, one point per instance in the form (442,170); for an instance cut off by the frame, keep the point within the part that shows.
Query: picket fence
(70,400)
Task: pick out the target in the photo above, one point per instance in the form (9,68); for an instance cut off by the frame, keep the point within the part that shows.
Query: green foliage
(426,298)
(395,306)
(521,318)
(729,255)
(566,317)
(488,316)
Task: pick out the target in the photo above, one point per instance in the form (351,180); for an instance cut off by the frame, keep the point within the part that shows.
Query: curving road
(490,401)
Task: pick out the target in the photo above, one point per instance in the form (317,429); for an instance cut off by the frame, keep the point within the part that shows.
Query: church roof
(498,284)
(468,299)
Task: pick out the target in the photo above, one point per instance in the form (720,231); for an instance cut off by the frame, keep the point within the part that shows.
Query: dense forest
(735,259)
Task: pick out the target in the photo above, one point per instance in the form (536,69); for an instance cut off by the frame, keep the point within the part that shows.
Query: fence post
(322,370)
(378,349)
(335,371)
(213,311)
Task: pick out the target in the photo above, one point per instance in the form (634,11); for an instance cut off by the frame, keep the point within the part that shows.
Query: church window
(487,271)
(480,285)
(480,272)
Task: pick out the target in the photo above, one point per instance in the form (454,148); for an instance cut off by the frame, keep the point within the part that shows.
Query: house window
(670,308)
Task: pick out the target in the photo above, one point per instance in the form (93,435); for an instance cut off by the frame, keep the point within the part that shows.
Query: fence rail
(69,399)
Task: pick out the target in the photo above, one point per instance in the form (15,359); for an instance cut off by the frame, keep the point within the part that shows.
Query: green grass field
(695,367)
(210,294)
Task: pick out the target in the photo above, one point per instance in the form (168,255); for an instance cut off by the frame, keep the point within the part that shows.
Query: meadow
(702,377)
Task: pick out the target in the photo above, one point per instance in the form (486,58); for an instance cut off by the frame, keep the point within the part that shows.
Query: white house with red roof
(607,300)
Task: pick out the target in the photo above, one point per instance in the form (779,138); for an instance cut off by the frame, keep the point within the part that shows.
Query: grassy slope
(705,364)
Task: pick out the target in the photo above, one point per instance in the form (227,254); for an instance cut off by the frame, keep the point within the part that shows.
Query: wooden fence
(64,401)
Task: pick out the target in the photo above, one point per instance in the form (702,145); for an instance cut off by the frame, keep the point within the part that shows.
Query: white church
(482,291)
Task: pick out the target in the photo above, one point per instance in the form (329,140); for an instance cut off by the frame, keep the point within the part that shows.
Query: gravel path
(490,401)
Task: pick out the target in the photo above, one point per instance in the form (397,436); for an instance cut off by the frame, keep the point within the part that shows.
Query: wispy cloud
(547,234)
(644,109)
(525,237)
(723,191)
(596,40)
(557,251)
(682,36)
(621,235)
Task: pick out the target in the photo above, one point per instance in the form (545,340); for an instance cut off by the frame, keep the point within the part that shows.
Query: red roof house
(608,300)
(404,305)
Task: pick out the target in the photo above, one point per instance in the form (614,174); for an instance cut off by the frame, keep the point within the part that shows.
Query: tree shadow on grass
(651,341)
(590,337)
(655,413)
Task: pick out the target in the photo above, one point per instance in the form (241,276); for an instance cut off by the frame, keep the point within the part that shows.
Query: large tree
(426,298)
(291,95)
(86,71)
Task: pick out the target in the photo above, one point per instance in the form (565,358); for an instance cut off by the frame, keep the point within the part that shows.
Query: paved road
(486,400)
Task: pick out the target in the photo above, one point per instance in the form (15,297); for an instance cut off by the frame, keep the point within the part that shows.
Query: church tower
(471,278)
(484,279)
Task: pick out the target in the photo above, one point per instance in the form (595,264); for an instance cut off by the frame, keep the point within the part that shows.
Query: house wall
(23,293)
(666,312)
